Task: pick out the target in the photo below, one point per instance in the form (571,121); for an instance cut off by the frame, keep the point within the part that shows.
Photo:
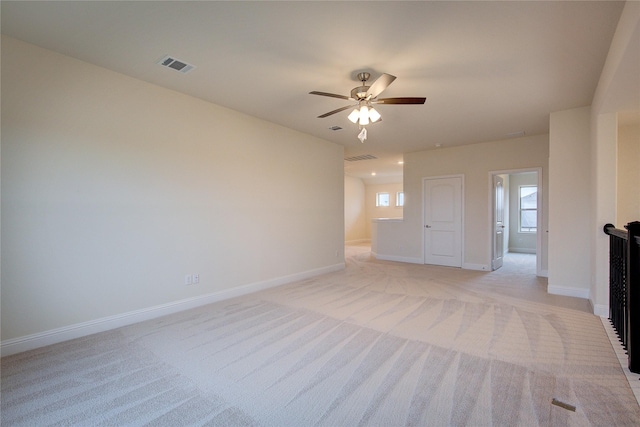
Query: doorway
(516,218)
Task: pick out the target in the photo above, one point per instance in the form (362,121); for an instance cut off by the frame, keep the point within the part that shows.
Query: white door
(498,222)
(443,221)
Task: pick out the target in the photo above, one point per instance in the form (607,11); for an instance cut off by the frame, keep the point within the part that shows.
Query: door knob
(427,226)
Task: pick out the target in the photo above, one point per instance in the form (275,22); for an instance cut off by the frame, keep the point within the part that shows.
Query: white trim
(54,336)
(538,251)
(543,273)
(395,258)
(568,292)
(478,267)
(601,310)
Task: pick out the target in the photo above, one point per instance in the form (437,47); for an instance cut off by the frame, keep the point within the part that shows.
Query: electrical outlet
(188,280)
(196,278)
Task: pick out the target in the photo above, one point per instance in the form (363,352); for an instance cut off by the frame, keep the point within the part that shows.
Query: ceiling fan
(366,96)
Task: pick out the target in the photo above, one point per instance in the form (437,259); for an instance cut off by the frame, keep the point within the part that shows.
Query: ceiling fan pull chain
(363,134)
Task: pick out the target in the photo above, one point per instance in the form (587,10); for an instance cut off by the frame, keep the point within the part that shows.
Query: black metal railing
(624,288)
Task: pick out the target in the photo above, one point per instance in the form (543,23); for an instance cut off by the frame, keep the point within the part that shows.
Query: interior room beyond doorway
(520,221)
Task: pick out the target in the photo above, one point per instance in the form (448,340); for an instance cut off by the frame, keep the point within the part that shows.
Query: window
(400,198)
(382,199)
(528,208)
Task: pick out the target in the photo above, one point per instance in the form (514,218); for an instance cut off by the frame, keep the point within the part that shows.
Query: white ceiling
(488,69)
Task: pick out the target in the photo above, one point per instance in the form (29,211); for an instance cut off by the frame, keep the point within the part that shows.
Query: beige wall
(113,189)
(569,197)
(375,212)
(355,218)
(628,175)
(403,241)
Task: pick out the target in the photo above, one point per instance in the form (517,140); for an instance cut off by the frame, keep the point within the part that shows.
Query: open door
(498,222)
(515,216)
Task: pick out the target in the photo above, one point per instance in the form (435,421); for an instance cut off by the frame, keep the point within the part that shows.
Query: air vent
(362,157)
(335,128)
(176,64)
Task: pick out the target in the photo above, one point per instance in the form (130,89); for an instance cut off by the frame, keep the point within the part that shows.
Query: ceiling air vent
(335,128)
(176,64)
(362,157)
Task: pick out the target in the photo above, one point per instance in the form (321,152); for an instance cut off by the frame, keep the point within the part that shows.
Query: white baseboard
(410,260)
(478,267)
(54,336)
(568,292)
(523,250)
(600,310)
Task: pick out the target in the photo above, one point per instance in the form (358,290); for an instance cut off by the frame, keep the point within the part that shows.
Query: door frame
(494,224)
(424,182)
(539,221)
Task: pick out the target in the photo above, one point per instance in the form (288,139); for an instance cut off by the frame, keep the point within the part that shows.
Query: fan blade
(335,111)
(379,85)
(406,100)
(332,95)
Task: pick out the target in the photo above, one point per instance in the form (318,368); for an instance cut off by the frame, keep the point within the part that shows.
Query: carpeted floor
(379,344)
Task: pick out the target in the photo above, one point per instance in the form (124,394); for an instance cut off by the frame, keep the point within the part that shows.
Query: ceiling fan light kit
(354,116)
(374,116)
(363,112)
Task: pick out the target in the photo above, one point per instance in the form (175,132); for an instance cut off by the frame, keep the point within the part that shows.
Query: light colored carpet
(380,344)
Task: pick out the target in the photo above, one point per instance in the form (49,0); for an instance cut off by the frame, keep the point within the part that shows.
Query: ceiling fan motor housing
(359,92)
